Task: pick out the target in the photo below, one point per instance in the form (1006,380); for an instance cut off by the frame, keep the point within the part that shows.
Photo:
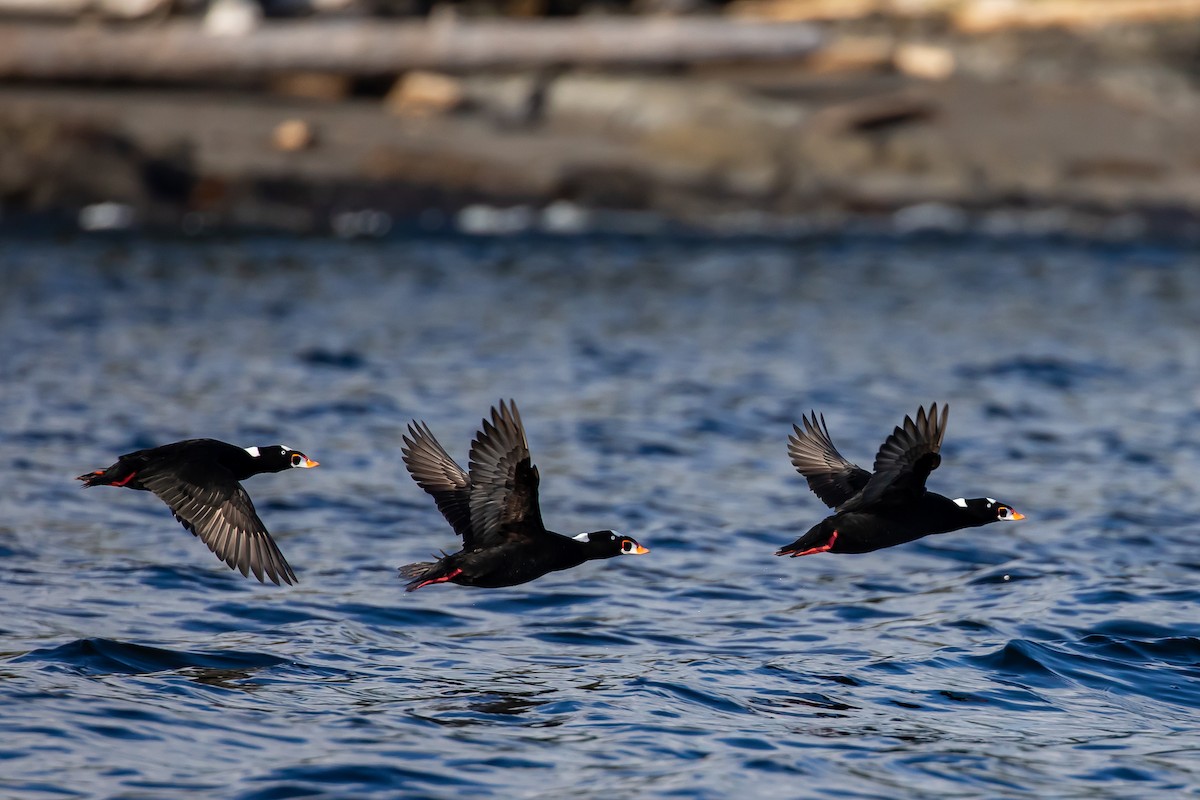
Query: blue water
(1058,657)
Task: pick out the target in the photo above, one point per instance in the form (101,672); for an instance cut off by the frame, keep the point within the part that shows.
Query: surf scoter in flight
(888,507)
(198,479)
(494,508)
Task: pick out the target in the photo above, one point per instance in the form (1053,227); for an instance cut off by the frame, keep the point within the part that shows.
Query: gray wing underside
(222,516)
(438,474)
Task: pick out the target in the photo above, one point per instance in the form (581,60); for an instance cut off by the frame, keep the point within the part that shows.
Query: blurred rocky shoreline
(910,119)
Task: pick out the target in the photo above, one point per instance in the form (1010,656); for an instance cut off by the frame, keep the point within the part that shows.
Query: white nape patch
(961,502)
(583,537)
(991,501)
(253,451)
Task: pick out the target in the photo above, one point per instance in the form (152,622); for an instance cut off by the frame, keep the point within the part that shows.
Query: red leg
(442,579)
(124,480)
(823,548)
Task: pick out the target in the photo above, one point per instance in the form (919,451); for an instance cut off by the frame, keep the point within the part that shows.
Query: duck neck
(946,515)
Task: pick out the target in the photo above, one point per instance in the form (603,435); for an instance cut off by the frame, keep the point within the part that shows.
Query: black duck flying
(199,480)
(891,506)
(494,508)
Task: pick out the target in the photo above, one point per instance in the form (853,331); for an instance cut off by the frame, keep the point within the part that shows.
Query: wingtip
(505,409)
(418,431)
(506,416)
(89,478)
(939,423)
(280,572)
(508,411)
(931,423)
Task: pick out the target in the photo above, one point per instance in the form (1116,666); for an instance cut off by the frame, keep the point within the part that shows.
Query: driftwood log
(184,51)
(977,16)
(71,9)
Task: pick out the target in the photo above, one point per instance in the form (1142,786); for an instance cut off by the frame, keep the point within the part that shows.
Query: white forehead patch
(252,451)
(991,501)
(583,537)
(961,502)
(286,449)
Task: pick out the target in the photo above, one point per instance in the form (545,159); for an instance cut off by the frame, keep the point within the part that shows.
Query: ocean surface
(658,380)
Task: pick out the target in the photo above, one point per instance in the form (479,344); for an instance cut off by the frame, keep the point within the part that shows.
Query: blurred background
(667,228)
(753,116)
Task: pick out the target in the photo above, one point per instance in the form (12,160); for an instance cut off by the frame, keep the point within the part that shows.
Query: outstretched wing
(437,473)
(504,482)
(831,477)
(216,509)
(907,457)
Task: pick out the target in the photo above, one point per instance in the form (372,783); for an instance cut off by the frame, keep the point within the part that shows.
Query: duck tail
(424,573)
(416,571)
(819,539)
(116,475)
(92,478)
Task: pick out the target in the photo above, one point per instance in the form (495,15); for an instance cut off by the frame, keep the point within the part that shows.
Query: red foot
(442,579)
(823,548)
(125,480)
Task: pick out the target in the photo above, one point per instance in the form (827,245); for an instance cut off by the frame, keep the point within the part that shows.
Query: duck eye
(295,459)
(1003,513)
(626,546)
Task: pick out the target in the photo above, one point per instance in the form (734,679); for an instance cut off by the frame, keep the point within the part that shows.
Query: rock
(55,165)
(481,219)
(293,135)
(232,18)
(929,217)
(421,93)
(107,216)
(852,54)
(565,217)
(925,61)
(513,99)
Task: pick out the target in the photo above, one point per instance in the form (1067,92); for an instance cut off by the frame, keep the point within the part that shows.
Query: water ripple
(658,380)
(108,657)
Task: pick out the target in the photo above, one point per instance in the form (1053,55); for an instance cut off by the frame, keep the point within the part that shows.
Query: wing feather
(220,513)
(504,481)
(439,475)
(830,476)
(907,457)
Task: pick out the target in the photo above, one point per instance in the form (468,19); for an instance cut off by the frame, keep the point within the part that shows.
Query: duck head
(988,509)
(278,457)
(606,544)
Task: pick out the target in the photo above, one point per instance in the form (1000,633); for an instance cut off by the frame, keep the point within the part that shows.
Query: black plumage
(199,480)
(494,508)
(891,505)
